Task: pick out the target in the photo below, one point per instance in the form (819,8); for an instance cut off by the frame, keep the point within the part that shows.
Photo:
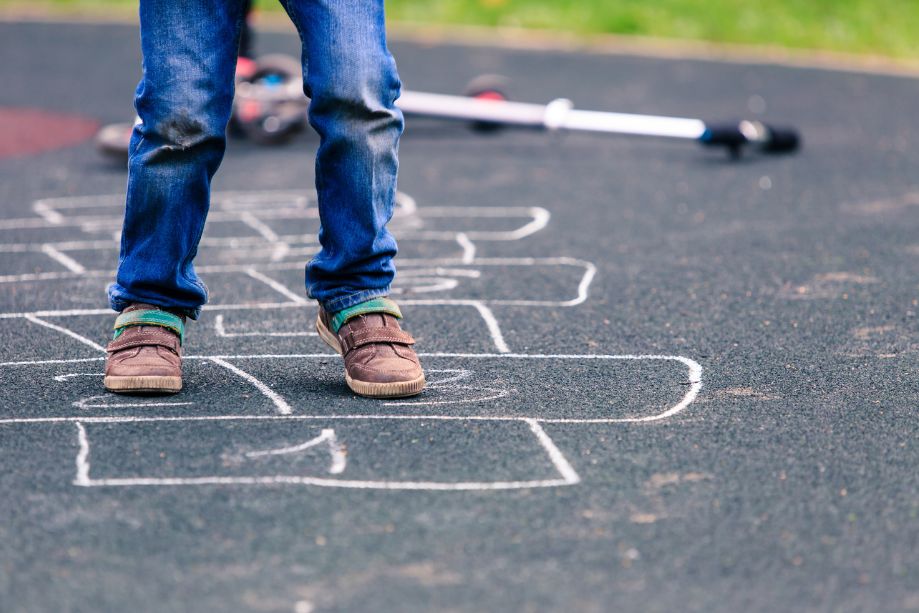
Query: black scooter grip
(781,140)
(766,138)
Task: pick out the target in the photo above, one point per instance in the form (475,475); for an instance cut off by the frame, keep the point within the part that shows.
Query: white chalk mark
(558,459)
(469,394)
(45,362)
(540,220)
(276,286)
(581,296)
(23,247)
(259,226)
(336,450)
(90,403)
(406,203)
(440,271)
(226,207)
(70,333)
(323,437)
(460,374)
(584,285)
(44,210)
(63,259)
(280,248)
(222,332)
(252,208)
(82,478)
(427,285)
(304,606)
(468,247)
(431,486)
(485,394)
(63,378)
(694,381)
(54,276)
(493,328)
(280,404)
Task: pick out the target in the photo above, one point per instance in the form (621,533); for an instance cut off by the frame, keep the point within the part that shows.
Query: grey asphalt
(789,483)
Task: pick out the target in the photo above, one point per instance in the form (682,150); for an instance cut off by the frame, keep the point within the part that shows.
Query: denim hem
(344,302)
(122,301)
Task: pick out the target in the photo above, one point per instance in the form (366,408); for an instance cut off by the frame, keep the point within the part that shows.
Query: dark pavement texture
(790,483)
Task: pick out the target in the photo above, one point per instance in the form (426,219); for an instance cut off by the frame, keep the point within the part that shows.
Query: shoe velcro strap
(368,336)
(154,336)
(150,317)
(377,305)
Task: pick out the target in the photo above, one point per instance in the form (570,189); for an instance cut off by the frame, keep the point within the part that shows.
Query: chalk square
(384,454)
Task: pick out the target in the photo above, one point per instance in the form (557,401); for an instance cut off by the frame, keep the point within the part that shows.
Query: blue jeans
(184,102)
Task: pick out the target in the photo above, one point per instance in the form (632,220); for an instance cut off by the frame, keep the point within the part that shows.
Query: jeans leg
(184,102)
(352,80)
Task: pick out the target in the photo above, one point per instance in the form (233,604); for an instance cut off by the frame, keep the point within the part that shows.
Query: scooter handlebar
(765,137)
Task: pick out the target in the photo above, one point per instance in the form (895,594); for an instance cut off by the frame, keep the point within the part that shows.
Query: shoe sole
(396,389)
(142,385)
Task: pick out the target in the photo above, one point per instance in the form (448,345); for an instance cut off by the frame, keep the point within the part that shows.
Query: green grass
(885,27)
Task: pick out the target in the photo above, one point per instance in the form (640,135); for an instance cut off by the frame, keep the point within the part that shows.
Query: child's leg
(184,101)
(352,81)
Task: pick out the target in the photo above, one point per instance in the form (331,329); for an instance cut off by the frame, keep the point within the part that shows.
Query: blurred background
(875,27)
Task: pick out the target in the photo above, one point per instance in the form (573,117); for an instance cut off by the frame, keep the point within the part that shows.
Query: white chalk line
(62,378)
(433,486)
(336,450)
(84,403)
(582,293)
(440,271)
(82,461)
(460,374)
(47,213)
(221,331)
(481,307)
(276,286)
(490,393)
(467,246)
(694,379)
(233,242)
(425,285)
(280,248)
(259,226)
(452,383)
(226,210)
(47,362)
(63,259)
(493,328)
(558,460)
(297,265)
(280,404)
(70,333)
(323,437)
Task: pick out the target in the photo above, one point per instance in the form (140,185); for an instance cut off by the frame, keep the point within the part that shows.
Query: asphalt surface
(789,481)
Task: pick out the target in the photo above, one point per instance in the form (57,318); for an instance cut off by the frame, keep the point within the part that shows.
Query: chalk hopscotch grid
(242,207)
(284,412)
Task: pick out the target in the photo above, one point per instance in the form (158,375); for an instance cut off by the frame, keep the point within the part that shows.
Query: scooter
(269,107)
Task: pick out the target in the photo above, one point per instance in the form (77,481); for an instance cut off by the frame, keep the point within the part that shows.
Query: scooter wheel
(270,107)
(278,64)
(114,140)
(487,87)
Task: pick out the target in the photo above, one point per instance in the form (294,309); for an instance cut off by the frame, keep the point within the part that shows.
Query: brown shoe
(379,359)
(146,355)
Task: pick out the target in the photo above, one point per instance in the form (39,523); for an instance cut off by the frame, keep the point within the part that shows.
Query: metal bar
(470,109)
(624,123)
(557,115)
